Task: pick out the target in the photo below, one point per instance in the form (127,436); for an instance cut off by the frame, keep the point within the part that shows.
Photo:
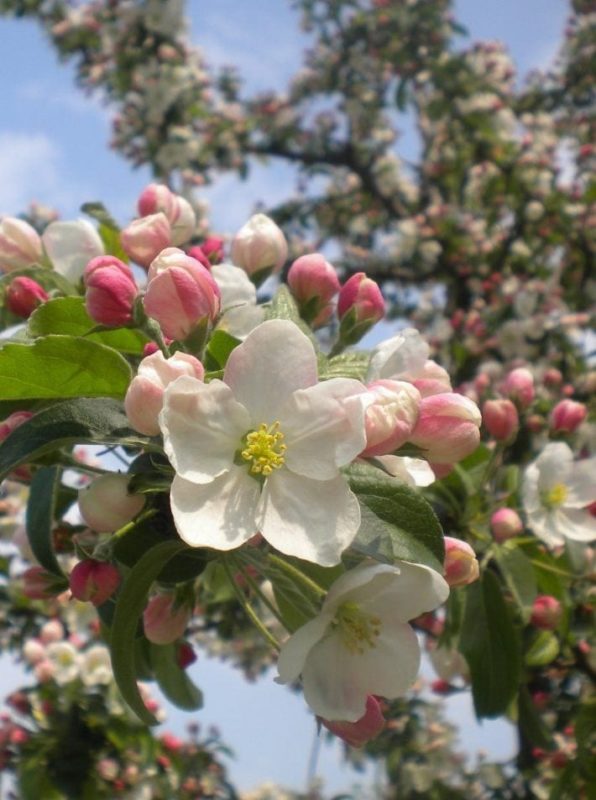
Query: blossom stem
(260,594)
(297,575)
(250,612)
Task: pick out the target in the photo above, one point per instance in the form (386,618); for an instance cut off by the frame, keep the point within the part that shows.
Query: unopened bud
(23,295)
(501,420)
(505,524)
(52,631)
(313,282)
(359,306)
(20,244)
(448,427)
(460,566)
(38,584)
(106,504)
(552,377)
(33,651)
(181,294)
(390,416)
(185,655)
(567,416)
(162,622)
(94,581)
(213,248)
(546,612)
(358,733)
(519,386)
(155,198)
(259,246)
(110,291)
(145,238)
(144,398)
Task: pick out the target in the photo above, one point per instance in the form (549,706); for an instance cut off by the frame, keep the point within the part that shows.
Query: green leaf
(129,607)
(543,649)
(491,645)
(530,722)
(111,242)
(40,517)
(79,421)
(98,211)
(46,277)
(519,576)
(173,681)
(219,348)
(283,306)
(347,365)
(397,522)
(68,315)
(62,366)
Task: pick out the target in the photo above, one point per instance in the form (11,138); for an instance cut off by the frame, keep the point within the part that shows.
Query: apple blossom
(505,524)
(96,668)
(144,397)
(547,613)
(556,493)
(313,281)
(448,427)
(94,581)
(146,237)
(106,505)
(65,660)
(261,450)
(360,643)
(411,471)
(20,245)
(461,566)
(500,418)
(519,386)
(358,733)
(391,416)
(567,416)
(362,296)
(163,622)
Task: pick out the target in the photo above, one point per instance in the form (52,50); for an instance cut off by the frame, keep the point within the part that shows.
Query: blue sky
(53,149)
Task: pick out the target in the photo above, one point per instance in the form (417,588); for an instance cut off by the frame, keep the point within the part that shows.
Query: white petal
(337,681)
(414,591)
(554,464)
(412,471)
(294,652)
(274,360)
(530,494)
(576,524)
(324,427)
(581,484)
(235,286)
(71,245)
(220,514)
(405,352)
(203,426)
(366,580)
(313,520)
(544,525)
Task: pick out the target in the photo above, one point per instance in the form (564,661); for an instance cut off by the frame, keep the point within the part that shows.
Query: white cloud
(28,169)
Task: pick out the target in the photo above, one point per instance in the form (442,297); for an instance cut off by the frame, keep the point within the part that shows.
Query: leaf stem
(260,594)
(297,575)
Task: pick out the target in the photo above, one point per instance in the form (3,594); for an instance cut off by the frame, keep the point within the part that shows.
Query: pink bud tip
(546,612)
(461,566)
(567,416)
(94,581)
(24,295)
(358,733)
(362,295)
(500,419)
(505,524)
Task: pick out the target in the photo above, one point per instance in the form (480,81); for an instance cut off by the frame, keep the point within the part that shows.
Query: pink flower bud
(431,379)
(197,253)
(567,416)
(501,420)
(20,244)
(110,291)
(144,398)
(552,377)
(94,581)
(155,198)
(185,655)
(180,294)
(171,742)
(162,623)
(33,651)
(461,566)
(23,295)
(52,631)
(505,524)
(519,386)
(145,238)
(183,221)
(313,282)
(390,417)
(447,428)
(44,671)
(546,612)
(362,296)
(259,245)
(358,733)
(213,247)
(39,584)
(106,505)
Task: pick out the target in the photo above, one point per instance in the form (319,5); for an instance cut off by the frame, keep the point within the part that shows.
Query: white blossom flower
(555,491)
(71,245)
(66,661)
(240,313)
(411,471)
(360,643)
(261,450)
(96,668)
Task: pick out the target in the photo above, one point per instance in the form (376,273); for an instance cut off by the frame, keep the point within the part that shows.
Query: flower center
(555,496)
(264,449)
(357,629)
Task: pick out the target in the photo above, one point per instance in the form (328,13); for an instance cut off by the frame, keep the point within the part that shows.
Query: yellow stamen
(357,629)
(264,449)
(555,496)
